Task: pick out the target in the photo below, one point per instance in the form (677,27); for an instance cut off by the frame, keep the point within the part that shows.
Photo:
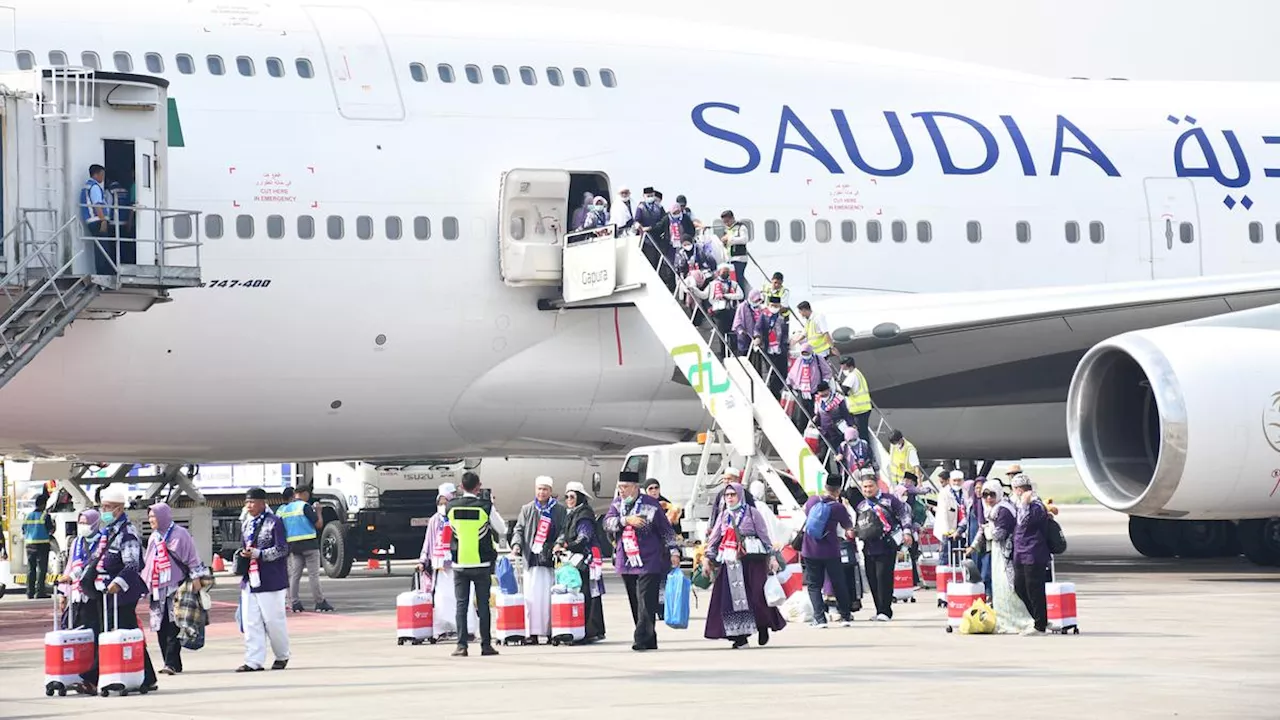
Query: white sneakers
(881,618)
(1032,631)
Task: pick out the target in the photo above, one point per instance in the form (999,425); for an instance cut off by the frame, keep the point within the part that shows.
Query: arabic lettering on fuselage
(944,129)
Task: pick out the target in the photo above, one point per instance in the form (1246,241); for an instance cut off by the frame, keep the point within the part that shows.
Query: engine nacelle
(1180,422)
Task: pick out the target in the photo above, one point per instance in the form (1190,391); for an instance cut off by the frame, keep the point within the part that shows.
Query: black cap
(834,482)
(647,191)
(822,386)
(256,494)
(657,194)
(680,200)
(908,475)
(847,360)
(628,476)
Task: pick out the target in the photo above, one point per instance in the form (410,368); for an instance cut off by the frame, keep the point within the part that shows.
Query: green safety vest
(473,541)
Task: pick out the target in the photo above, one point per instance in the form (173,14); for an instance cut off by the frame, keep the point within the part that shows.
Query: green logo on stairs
(702,370)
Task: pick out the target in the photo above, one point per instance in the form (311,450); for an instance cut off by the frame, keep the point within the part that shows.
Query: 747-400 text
(236,283)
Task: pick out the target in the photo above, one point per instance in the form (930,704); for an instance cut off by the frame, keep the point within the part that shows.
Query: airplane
(970,234)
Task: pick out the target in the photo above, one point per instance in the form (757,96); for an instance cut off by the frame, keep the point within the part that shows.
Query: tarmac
(1158,638)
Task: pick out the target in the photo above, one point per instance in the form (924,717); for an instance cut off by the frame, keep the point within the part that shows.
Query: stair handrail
(30,249)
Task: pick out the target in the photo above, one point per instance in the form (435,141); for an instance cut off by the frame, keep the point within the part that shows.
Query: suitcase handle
(115,625)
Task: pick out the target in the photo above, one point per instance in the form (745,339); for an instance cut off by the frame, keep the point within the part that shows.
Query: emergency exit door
(1174,221)
(358,62)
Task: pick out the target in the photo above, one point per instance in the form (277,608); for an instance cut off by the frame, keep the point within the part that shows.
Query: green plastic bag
(567,575)
(701,580)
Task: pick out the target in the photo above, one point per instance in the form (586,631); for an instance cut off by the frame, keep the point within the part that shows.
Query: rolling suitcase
(904,586)
(415,614)
(509,618)
(929,570)
(67,653)
(121,655)
(960,594)
(1060,604)
(568,618)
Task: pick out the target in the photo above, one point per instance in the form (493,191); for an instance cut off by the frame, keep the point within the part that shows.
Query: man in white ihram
(539,524)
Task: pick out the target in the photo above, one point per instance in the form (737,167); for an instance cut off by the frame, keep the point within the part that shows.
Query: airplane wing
(1013,346)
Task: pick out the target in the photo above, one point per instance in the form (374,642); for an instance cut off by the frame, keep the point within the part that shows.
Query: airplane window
(275,67)
(306,227)
(973,231)
(1023,231)
(182,226)
(451,228)
(445,71)
(26,60)
(393,228)
(517,227)
(1096,233)
(501,76)
(1073,232)
(90,60)
(797,231)
(1255,232)
(215,65)
(848,231)
(421,227)
(528,75)
(899,231)
(213,226)
(333,226)
(304,68)
(924,231)
(474,76)
(155,63)
(771,230)
(123,61)
(418,72)
(555,77)
(873,231)
(1186,233)
(244,226)
(364,227)
(822,231)
(186,65)
(608,79)
(57,58)
(245,65)
(582,77)
(275,226)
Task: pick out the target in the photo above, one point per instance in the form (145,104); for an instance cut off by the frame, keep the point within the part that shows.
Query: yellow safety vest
(860,402)
(900,460)
(817,340)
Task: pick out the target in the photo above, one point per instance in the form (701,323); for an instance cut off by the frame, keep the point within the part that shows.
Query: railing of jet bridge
(168,270)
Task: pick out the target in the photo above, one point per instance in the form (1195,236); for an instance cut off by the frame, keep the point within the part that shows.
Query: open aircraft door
(531,225)
(145,223)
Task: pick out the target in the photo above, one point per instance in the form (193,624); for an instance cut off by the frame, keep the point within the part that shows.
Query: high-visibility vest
(472,544)
(860,401)
(900,460)
(34,531)
(296,525)
(817,340)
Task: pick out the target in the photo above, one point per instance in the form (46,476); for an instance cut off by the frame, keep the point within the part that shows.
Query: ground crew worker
(815,330)
(859,394)
(37,530)
(301,521)
(902,458)
(776,294)
(474,548)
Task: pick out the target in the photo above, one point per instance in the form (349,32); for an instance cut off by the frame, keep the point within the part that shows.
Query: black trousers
(740,274)
(37,570)
(816,571)
(776,379)
(863,421)
(170,646)
(464,579)
(880,581)
(724,327)
(128,621)
(642,592)
(1028,583)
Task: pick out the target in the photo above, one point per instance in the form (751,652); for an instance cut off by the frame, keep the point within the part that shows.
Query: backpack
(1053,536)
(868,526)
(815,524)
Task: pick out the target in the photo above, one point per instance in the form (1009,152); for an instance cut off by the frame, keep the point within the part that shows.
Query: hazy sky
(1137,39)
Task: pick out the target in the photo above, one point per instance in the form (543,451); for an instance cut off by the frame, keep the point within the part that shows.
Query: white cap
(1022,481)
(116,494)
(575,487)
(544,481)
(447,489)
(731,470)
(956,475)
(867,472)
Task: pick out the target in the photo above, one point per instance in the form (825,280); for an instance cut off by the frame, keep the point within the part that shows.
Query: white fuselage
(380,348)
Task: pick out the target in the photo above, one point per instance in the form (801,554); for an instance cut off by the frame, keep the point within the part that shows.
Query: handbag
(701,580)
(774,594)
(754,547)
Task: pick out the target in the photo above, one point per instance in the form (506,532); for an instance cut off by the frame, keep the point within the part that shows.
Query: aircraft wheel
(1150,537)
(1260,540)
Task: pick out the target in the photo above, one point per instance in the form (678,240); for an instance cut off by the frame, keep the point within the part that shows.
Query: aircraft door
(531,226)
(359,63)
(144,195)
(1174,220)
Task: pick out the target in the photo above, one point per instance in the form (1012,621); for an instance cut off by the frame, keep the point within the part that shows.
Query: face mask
(805,355)
(84,530)
(108,518)
(675,216)
(688,248)
(648,198)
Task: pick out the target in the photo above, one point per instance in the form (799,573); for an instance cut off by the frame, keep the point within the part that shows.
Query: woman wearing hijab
(83,611)
(579,538)
(742,548)
(171,560)
(437,562)
(997,538)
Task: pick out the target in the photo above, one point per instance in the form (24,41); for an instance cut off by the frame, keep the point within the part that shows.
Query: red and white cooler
(415,615)
(929,570)
(121,656)
(904,586)
(792,578)
(1060,602)
(943,577)
(509,618)
(67,654)
(813,439)
(960,594)
(568,618)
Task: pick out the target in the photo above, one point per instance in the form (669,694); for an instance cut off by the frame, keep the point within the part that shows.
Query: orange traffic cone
(374,564)
(218,564)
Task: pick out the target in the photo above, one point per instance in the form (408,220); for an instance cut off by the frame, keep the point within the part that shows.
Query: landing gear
(1153,538)
(1203,538)
(1260,540)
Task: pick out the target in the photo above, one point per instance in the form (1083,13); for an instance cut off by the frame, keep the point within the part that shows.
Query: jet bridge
(56,264)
